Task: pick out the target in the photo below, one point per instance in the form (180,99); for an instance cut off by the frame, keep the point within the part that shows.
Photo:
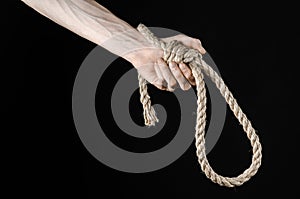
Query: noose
(177,52)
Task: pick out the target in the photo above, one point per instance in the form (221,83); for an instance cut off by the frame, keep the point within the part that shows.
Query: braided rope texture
(177,52)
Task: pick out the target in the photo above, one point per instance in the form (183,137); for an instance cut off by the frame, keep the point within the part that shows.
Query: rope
(177,52)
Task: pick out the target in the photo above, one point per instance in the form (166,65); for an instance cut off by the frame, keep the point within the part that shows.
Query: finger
(148,72)
(189,42)
(159,73)
(187,72)
(167,74)
(198,46)
(182,81)
(161,83)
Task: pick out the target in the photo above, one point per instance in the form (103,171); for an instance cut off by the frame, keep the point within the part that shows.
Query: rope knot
(177,52)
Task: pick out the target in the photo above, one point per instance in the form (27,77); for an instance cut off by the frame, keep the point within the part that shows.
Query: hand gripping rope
(177,52)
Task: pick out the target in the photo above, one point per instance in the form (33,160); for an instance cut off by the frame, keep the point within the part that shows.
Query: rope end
(150,117)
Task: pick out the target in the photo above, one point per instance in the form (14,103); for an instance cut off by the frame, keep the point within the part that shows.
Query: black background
(252,46)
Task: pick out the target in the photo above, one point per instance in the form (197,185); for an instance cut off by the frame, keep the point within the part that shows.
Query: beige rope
(149,112)
(177,52)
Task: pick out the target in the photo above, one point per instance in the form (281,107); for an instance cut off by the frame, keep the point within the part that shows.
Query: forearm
(92,21)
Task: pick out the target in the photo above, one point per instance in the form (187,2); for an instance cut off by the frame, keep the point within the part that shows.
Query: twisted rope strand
(177,52)
(149,112)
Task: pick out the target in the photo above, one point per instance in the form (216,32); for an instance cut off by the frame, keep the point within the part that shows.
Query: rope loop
(177,52)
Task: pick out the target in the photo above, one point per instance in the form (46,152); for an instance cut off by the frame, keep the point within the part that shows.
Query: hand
(100,26)
(155,70)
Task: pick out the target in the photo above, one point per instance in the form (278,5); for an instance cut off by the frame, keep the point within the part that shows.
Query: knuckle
(161,63)
(173,66)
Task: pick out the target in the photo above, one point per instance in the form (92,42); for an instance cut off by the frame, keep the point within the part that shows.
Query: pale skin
(97,24)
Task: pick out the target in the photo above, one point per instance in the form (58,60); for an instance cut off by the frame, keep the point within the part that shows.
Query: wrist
(143,56)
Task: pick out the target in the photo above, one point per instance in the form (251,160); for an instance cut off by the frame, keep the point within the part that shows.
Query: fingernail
(202,51)
(187,87)
(176,86)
